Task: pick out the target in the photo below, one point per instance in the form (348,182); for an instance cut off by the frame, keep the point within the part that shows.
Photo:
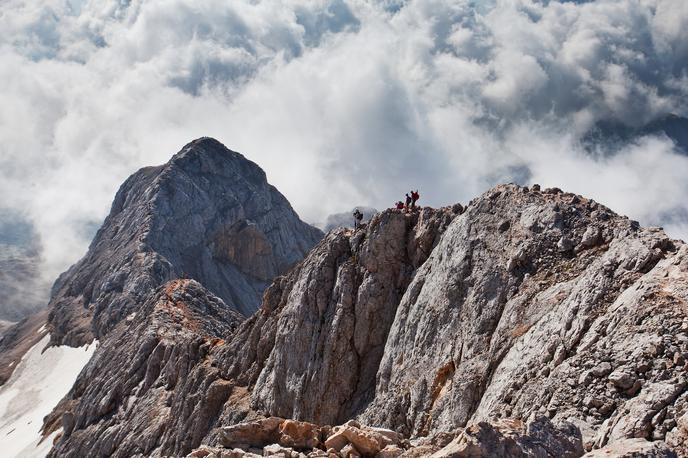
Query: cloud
(342,103)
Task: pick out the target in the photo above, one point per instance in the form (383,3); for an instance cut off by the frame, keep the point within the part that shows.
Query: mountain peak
(209,156)
(205,146)
(208,214)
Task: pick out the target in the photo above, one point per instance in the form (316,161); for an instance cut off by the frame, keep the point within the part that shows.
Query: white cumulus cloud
(342,103)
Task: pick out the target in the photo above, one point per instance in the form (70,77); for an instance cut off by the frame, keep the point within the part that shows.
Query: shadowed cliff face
(150,386)
(525,304)
(208,214)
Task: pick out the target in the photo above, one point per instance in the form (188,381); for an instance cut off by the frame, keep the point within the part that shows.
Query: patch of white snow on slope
(38,383)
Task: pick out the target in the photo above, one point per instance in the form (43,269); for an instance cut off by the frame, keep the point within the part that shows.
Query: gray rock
(208,214)
(591,237)
(602,369)
(565,244)
(507,439)
(342,300)
(414,324)
(257,433)
(622,379)
(632,448)
(150,385)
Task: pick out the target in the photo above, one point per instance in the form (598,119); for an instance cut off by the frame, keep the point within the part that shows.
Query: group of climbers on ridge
(410,203)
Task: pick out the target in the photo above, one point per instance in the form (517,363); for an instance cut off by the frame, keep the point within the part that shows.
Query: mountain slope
(150,387)
(528,303)
(227,362)
(208,214)
(525,297)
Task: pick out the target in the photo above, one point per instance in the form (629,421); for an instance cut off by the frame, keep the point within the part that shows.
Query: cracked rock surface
(208,214)
(531,306)
(505,324)
(150,386)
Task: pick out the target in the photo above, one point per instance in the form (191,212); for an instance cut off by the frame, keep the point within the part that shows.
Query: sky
(341,103)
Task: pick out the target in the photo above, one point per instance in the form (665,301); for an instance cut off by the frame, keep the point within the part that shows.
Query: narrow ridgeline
(528,323)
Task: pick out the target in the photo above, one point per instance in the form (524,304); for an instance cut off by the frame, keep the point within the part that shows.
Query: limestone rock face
(503,323)
(150,385)
(208,214)
(312,351)
(434,325)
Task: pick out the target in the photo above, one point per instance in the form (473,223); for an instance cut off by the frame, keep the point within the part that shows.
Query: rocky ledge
(475,322)
(276,436)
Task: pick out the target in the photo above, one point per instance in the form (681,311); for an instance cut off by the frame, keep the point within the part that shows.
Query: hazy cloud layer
(342,103)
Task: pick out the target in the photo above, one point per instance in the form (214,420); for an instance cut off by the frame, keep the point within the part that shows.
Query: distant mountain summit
(208,214)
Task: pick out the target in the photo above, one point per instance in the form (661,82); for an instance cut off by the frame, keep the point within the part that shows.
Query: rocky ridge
(209,214)
(380,263)
(529,304)
(150,384)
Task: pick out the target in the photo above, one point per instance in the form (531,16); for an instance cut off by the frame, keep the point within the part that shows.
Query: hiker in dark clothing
(358,216)
(414,198)
(408,202)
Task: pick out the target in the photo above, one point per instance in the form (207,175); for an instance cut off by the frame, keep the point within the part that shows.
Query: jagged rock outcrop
(208,214)
(150,385)
(501,321)
(299,340)
(313,349)
(526,304)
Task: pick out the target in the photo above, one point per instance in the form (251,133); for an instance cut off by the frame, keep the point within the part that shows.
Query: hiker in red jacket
(400,205)
(414,198)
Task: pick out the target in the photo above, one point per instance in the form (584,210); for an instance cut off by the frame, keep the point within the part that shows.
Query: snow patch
(41,329)
(39,382)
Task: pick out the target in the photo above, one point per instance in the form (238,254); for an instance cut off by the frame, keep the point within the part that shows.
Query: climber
(414,198)
(399,205)
(408,202)
(358,216)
